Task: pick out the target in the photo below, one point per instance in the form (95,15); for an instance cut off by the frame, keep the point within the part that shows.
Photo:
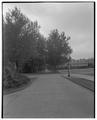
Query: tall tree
(34,46)
(22,39)
(14,21)
(58,48)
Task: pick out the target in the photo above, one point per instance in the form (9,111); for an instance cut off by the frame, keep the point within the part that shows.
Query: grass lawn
(82,82)
(88,71)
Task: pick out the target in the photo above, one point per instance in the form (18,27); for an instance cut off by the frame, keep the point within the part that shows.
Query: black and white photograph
(48,59)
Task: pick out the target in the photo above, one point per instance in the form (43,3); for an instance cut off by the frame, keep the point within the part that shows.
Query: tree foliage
(21,38)
(14,21)
(58,48)
(27,48)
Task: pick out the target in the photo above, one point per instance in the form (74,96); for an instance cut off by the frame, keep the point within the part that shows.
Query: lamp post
(69,67)
(68,57)
(46,51)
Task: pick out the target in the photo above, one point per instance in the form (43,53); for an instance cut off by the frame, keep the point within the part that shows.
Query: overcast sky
(75,19)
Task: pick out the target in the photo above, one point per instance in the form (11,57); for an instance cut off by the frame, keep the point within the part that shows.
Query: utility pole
(68,57)
(69,67)
(45,58)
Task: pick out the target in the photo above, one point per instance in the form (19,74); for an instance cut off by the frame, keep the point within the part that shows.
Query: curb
(88,84)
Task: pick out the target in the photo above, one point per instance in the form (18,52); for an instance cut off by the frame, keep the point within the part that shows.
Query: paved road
(50,95)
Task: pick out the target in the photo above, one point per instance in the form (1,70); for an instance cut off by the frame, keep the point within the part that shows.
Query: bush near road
(13,81)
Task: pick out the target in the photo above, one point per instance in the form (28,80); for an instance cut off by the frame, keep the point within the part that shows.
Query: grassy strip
(83,82)
(25,83)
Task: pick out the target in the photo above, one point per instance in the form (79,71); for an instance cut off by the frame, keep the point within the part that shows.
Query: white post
(69,67)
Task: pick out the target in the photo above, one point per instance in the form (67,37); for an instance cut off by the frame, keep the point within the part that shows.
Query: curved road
(50,96)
